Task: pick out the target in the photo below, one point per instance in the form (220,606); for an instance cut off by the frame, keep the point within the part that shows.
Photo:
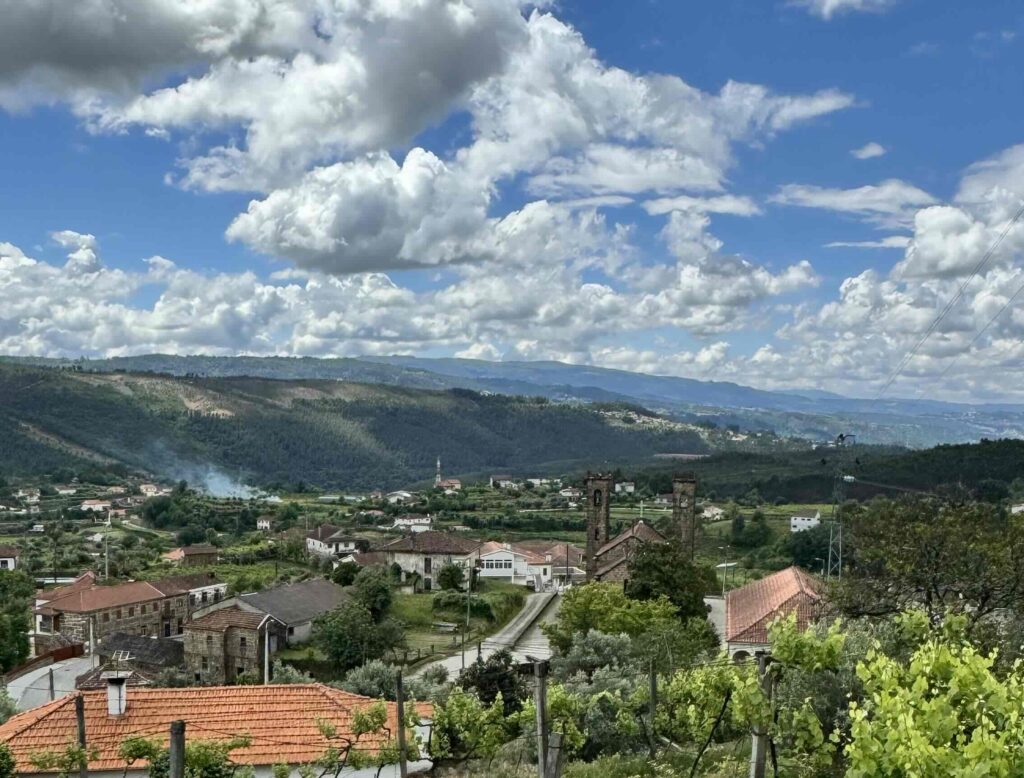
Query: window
(131,611)
(204,598)
(206,663)
(180,603)
(46,623)
(598,497)
(181,627)
(191,601)
(198,677)
(242,643)
(291,631)
(426,564)
(4,564)
(216,595)
(117,613)
(209,642)
(239,670)
(106,617)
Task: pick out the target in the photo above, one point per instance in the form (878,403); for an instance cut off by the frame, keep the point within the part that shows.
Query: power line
(909,356)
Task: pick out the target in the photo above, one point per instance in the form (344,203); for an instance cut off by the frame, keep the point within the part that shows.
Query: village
(243,608)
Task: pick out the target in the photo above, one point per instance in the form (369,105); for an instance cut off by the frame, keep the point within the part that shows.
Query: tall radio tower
(835,535)
(437,477)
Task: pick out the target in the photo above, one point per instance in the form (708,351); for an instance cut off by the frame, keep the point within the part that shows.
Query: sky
(782,193)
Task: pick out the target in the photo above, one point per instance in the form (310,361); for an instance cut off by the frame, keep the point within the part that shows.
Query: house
(65,490)
(804,520)
(751,608)
(96,506)
(625,487)
(570,493)
(38,528)
(503,482)
(147,655)
(201,588)
(413,523)
(227,643)
(400,497)
(505,562)
(366,559)
(611,560)
(423,554)
(99,677)
(80,611)
(1018,508)
(327,540)
(194,556)
(116,490)
(28,496)
(263,523)
(284,725)
(153,490)
(712,512)
(9,557)
(450,484)
(294,606)
(557,553)
(542,482)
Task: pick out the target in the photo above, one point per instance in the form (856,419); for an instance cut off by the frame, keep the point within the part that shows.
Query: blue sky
(647,185)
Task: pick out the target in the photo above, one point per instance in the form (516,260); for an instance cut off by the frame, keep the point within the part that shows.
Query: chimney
(117,694)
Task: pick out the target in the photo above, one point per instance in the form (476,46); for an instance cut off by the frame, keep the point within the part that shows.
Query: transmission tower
(835,535)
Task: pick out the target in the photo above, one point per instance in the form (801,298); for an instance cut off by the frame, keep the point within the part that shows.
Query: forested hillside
(329,434)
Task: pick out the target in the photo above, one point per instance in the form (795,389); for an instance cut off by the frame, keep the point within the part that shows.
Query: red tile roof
(751,608)
(280,720)
(220,620)
(84,581)
(9,551)
(102,597)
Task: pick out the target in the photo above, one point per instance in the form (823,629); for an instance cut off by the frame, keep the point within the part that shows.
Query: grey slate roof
(161,652)
(298,603)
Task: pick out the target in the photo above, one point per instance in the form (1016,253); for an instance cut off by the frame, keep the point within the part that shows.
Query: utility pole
(83,767)
(540,700)
(106,557)
(177,750)
(52,695)
(759,737)
(400,704)
(652,708)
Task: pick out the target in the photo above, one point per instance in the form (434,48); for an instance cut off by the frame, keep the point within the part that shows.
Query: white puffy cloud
(826,9)
(890,203)
(890,242)
(869,151)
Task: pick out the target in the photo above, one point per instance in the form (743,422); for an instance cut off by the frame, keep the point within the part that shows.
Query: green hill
(331,434)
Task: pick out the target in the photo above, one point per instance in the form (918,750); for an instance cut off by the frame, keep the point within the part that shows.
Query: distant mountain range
(811,414)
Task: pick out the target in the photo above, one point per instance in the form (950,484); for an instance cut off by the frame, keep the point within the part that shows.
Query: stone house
(194,556)
(423,554)
(226,643)
(751,608)
(294,606)
(328,540)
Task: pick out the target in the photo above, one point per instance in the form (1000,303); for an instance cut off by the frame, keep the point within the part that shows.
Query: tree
(16,592)
(345,573)
(810,547)
(349,636)
(921,552)
(665,570)
(8,707)
(450,577)
(7,763)
(497,676)
(945,712)
(372,589)
(605,607)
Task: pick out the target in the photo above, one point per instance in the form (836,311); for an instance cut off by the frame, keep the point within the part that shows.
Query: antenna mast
(835,535)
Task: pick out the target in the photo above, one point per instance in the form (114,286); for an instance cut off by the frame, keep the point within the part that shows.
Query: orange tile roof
(280,720)
(84,581)
(102,597)
(751,608)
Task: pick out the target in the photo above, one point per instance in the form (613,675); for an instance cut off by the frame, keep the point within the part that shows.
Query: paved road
(33,688)
(717,616)
(522,634)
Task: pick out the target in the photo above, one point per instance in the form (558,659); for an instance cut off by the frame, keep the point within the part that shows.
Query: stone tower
(684,511)
(598,506)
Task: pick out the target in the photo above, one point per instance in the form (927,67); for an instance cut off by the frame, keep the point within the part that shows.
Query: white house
(413,523)
(505,562)
(541,482)
(425,553)
(8,558)
(571,493)
(152,490)
(28,496)
(327,540)
(503,482)
(625,487)
(96,506)
(263,524)
(1018,508)
(804,520)
(712,512)
(65,491)
(400,497)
